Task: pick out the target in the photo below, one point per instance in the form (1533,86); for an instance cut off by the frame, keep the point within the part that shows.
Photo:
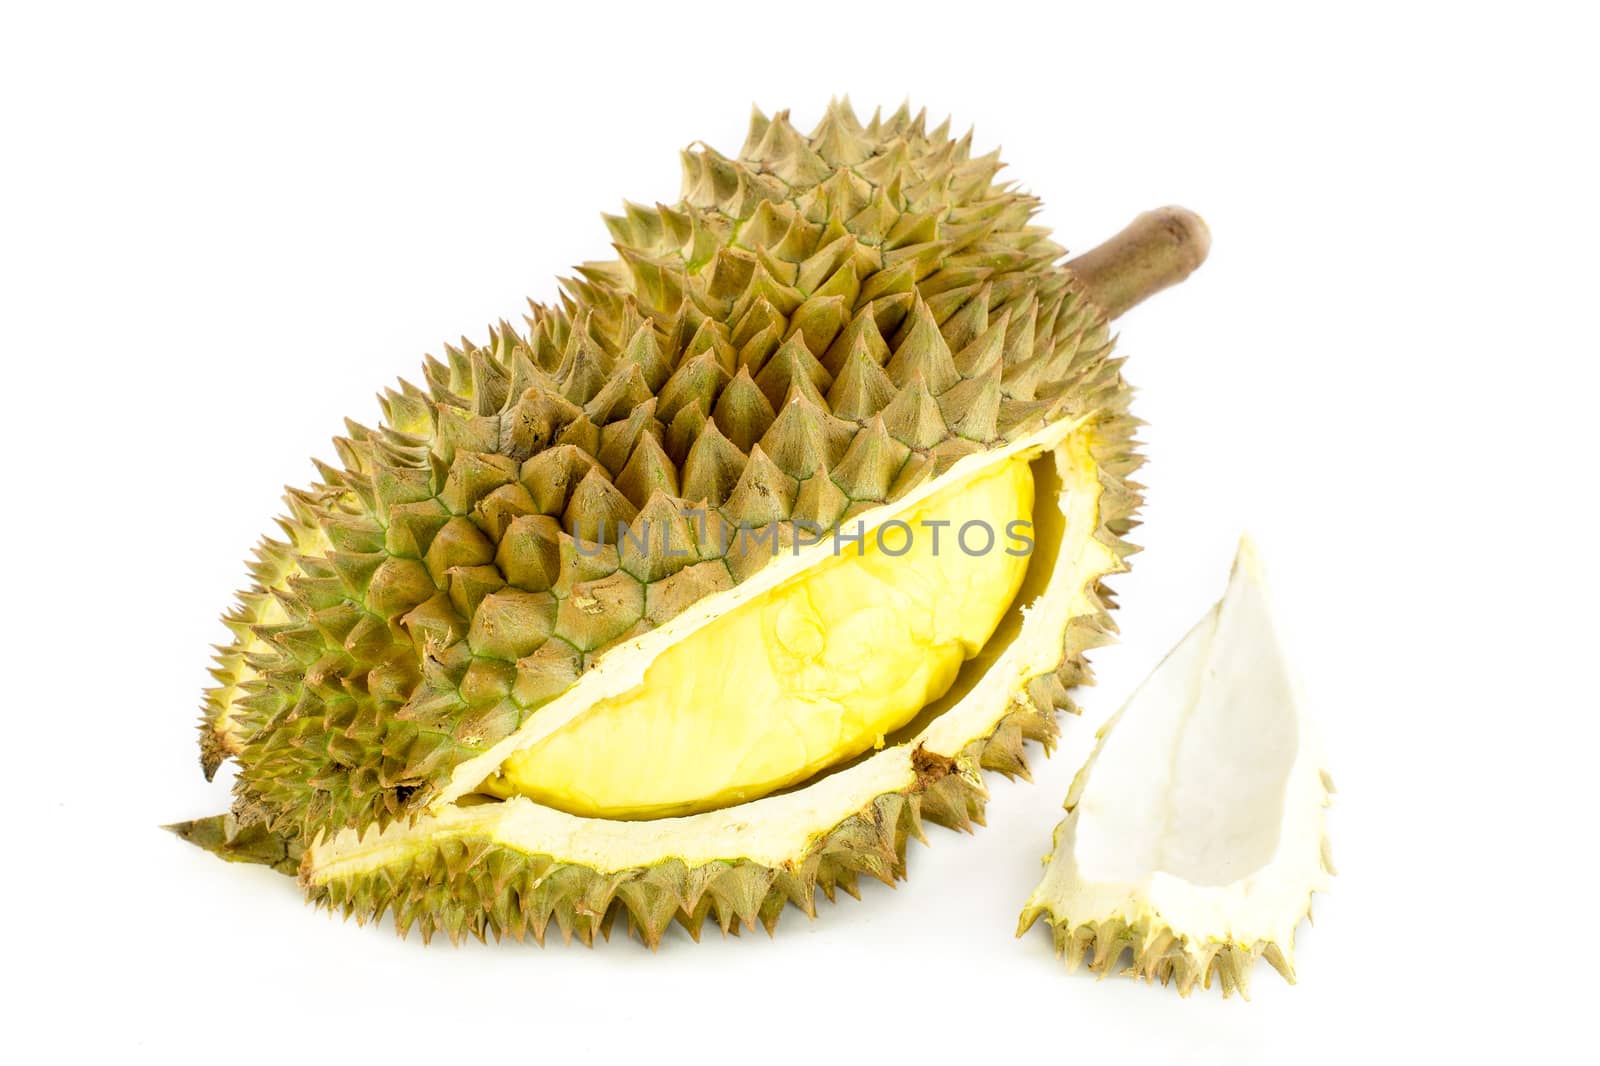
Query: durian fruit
(637,611)
(1195,833)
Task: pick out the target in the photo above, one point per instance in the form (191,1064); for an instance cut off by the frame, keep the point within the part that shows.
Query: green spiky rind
(466,885)
(818,327)
(226,837)
(1160,955)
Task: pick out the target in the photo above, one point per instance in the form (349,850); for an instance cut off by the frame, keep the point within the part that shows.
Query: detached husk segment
(1196,832)
(824,331)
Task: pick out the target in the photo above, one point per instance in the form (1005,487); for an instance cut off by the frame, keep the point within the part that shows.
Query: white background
(225,229)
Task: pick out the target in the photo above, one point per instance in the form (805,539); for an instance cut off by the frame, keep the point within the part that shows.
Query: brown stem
(1155,250)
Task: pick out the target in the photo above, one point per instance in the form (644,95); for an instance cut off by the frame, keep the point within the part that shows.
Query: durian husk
(826,329)
(1170,929)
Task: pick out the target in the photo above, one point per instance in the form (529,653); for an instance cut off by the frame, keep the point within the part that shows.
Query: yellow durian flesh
(806,675)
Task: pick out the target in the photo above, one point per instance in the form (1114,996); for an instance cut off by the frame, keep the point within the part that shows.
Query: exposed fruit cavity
(803,676)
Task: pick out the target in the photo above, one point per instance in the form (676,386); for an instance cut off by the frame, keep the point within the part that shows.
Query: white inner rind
(1202,807)
(778,828)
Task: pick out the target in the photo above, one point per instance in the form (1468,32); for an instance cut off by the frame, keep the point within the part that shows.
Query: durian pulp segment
(810,673)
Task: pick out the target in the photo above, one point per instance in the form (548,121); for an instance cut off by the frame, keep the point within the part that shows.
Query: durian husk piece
(1196,831)
(824,331)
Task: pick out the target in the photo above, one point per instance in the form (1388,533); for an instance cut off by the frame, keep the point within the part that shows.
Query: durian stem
(1155,250)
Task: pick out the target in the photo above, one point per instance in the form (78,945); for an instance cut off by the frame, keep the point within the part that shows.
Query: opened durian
(1195,833)
(710,586)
